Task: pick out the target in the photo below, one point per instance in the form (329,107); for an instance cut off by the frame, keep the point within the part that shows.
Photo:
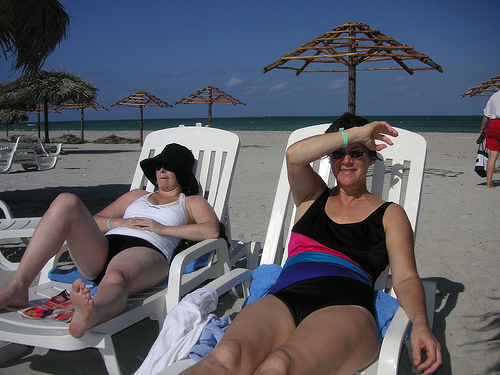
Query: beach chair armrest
(180,284)
(5,209)
(390,350)
(228,281)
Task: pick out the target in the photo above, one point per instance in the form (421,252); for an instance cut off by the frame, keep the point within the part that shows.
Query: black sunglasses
(161,165)
(353,154)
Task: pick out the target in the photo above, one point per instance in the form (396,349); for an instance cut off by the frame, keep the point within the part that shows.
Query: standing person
(126,247)
(491,124)
(319,316)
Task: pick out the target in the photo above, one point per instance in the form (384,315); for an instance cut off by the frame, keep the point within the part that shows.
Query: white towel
(181,330)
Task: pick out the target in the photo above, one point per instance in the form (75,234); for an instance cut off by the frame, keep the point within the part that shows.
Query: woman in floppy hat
(126,247)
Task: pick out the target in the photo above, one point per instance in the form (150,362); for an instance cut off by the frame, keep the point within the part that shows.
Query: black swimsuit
(118,243)
(331,264)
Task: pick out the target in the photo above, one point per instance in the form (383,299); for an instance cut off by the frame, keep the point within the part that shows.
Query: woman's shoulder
(195,200)
(395,213)
(137,193)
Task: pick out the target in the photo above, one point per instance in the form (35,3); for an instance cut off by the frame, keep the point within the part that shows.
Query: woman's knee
(227,356)
(280,361)
(65,205)
(115,278)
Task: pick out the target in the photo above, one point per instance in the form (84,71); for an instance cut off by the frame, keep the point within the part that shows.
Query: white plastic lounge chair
(14,228)
(30,152)
(216,152)
(397,179)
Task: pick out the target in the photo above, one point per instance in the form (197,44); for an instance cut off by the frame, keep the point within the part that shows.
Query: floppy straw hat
(177,159)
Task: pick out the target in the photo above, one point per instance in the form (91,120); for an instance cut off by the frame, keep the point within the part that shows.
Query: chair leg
(109,356)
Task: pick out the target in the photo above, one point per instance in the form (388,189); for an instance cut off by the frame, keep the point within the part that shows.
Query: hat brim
(189,187)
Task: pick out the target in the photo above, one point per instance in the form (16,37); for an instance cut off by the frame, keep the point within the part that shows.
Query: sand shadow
(131,346)
(34,202)
(488,323)
(447,294)
(441,172)
(96,152)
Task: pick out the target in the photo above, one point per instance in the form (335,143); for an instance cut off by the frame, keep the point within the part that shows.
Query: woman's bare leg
(131,271)
(332,340)
(256,331)
(66,219)
(490,168)
(263,340)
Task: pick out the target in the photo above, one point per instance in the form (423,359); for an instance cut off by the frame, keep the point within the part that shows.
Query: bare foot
(84,309)
(13,296)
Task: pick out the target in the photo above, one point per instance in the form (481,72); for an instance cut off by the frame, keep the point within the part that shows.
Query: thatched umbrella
(39,109)
(210,95)
(47,87)
(31,30)
(82,107)
(484,89)
(11,117)
(350,45)
(142,99)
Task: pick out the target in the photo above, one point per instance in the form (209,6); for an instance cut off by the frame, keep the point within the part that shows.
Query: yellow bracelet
(109,221)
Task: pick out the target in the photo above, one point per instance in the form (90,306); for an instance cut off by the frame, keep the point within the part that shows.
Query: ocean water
(446,124)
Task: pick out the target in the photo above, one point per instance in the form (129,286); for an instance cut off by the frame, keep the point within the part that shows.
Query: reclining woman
(126,247)
(319,316)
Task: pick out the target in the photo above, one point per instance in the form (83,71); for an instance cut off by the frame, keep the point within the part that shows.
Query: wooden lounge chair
(216,152)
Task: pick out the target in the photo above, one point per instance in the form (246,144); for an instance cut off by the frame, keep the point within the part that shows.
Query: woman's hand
(377,130)
(141,223)
(422,338)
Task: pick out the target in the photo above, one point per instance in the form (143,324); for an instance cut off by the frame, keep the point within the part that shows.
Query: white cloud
(278,87)
(400,79)
(233,82)
(338,84)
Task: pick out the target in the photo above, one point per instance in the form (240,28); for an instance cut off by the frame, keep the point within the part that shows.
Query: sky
(172,49)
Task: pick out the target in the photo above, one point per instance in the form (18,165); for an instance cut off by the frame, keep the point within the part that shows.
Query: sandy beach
(457,244)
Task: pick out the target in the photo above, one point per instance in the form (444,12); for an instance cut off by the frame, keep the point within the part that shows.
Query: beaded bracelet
(344,136)
(109,221)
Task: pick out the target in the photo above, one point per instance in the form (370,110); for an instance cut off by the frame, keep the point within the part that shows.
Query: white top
(492,109)
(171,214)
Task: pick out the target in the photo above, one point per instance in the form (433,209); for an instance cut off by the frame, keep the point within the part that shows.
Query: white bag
(481,161)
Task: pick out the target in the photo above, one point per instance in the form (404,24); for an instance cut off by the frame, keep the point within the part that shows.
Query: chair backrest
(398,178)
(215,151)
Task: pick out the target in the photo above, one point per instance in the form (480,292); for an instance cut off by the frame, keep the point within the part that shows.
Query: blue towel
(197,263)
(210,337)
(385,308)
(263,278)
(70,275)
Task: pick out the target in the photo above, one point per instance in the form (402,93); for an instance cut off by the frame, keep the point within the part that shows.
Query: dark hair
(347,121)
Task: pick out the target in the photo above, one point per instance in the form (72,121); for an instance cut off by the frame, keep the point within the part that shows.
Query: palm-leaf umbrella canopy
(31,30)
(210,95)
(82,107)
(350,45)
(484,89)
(47,87)
(11,117)
(142,99)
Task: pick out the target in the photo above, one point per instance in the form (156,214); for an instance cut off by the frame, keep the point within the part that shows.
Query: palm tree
(47,87)
(31,30)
